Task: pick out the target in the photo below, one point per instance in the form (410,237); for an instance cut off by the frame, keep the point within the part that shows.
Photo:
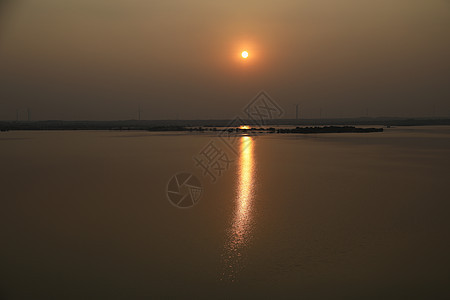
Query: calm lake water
(85,215)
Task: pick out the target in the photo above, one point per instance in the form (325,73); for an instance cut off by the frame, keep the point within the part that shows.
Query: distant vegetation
(328,125)
(329,129)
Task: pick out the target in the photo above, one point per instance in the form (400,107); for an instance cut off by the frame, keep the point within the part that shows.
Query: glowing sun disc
(244,54)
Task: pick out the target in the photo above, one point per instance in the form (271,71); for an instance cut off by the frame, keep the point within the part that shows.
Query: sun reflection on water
(240,231)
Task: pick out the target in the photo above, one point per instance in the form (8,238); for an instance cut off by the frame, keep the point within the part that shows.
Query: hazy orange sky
(100,59)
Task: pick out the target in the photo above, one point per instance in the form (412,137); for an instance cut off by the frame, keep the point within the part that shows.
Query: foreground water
(85,215)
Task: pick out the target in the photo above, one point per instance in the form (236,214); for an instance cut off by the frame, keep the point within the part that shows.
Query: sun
(244,54)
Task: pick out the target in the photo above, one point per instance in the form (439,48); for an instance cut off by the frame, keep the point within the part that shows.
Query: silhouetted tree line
(329,129)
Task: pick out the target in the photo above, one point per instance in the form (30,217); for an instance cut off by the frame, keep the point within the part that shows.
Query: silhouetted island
(319,125)
(66,125)
(329,129)
(301,130)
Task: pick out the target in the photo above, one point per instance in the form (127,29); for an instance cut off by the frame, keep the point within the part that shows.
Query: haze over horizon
(101,59)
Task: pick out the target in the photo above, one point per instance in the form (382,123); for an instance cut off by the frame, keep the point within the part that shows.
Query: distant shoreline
(188,125)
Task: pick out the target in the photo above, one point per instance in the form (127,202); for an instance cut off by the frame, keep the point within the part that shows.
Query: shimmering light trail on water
(239,234)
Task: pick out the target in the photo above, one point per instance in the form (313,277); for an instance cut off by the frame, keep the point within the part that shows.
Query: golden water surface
(240,233)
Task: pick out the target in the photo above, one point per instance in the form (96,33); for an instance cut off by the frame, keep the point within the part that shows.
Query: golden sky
(100,59)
